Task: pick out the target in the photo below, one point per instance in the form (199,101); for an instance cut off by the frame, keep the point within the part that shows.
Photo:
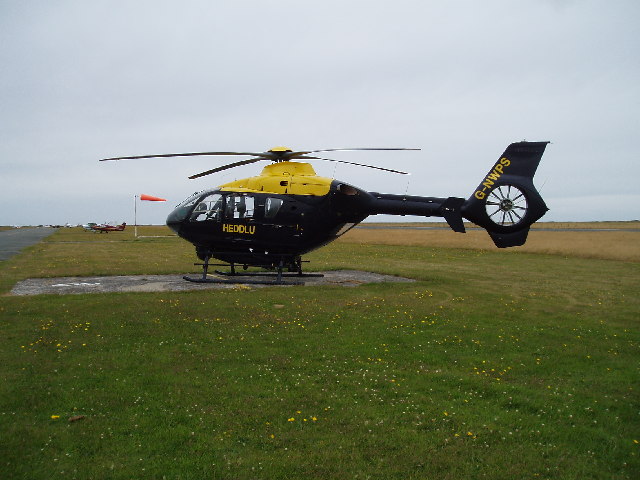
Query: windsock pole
(135,216)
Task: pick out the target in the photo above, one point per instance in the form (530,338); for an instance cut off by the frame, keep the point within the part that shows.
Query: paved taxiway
(13,241)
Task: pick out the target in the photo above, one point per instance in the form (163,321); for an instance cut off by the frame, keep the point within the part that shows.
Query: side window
(271,207)
(209,208)
(239,206)
(249,206)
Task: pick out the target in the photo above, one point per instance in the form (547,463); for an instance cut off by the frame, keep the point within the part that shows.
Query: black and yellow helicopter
(272,219)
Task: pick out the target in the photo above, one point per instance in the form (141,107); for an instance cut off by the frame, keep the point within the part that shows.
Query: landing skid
(243,280)
(249,277)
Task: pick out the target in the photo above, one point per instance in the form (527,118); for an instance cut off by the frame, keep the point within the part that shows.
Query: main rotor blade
(356,149)
(226,167)
(276,156)
(360,165)
(195,154)
(266,155)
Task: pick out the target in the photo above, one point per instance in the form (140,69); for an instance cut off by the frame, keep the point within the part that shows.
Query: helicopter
(272,219)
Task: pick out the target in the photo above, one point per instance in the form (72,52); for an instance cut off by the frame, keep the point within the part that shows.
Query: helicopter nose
(174,226)
(175,219)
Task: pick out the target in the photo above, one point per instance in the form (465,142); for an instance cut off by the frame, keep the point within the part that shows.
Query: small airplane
(272,219)
(106,228)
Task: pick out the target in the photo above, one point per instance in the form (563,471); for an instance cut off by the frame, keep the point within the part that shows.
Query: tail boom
(449,208)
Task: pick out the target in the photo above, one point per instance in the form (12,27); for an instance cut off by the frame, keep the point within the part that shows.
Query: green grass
(492,365)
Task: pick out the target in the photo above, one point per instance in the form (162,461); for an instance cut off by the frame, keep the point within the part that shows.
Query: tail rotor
(506,202)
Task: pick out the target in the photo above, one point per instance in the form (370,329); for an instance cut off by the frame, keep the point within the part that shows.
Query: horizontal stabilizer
(451,210)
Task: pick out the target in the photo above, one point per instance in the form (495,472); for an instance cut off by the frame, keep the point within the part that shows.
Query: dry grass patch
(613,245)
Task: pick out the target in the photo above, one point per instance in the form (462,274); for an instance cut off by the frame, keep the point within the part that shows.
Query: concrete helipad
(164,283)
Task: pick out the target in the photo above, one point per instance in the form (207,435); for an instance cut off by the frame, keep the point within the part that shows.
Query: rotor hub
(506,205)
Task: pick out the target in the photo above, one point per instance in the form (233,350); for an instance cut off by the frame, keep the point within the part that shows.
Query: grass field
(495,364)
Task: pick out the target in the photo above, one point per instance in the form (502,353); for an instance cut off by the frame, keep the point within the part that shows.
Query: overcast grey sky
(461,79)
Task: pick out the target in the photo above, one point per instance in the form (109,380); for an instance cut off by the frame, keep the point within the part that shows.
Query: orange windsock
(152,199)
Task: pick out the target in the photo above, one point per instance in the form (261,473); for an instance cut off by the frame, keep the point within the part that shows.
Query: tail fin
(506,202)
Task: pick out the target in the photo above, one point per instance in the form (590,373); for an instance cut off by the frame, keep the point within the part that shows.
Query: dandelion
(55,417)
(292,419)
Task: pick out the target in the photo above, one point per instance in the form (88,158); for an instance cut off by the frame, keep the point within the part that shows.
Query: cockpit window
(271,207)
(190,201)
(209,208)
